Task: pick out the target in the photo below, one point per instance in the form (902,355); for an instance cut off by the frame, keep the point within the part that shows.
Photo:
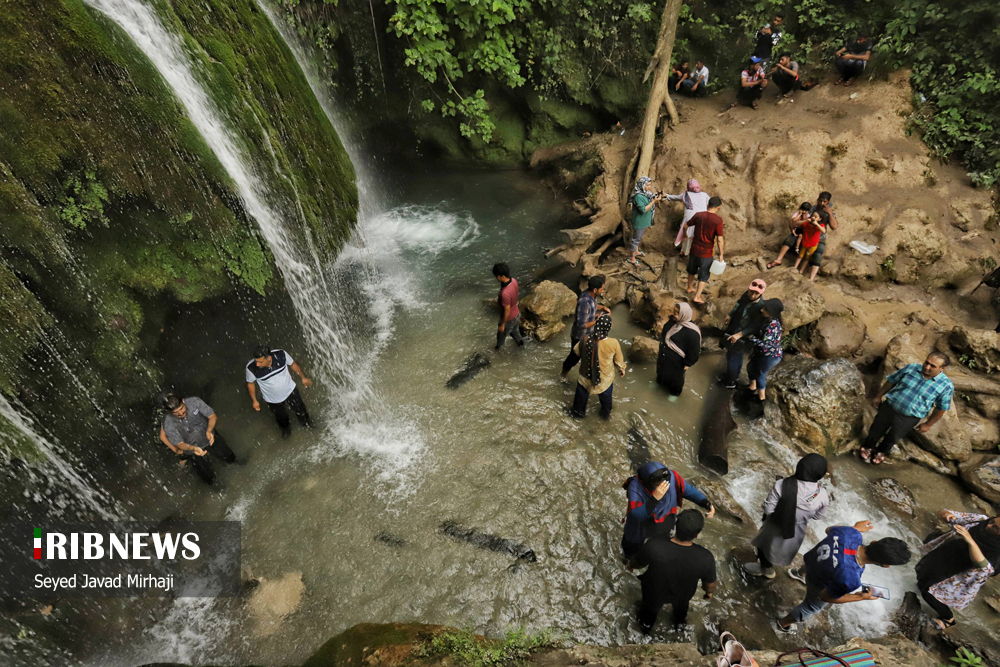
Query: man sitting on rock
(676,564)
(834,568)
(906,397)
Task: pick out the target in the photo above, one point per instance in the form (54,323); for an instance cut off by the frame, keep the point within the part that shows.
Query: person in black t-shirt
(765,40)
(851,59)
(678,73)
(676,565)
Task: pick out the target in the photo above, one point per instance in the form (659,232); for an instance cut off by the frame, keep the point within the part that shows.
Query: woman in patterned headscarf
(643,203)
(680,347)
(599,357)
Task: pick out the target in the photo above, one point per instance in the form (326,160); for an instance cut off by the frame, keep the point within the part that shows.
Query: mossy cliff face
(112,207)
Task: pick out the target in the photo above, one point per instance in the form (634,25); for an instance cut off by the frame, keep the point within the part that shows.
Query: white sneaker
(755,570)
(789,630)
(797,574)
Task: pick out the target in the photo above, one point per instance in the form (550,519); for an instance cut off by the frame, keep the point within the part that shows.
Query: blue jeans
(813,604)
(583,395)
(759,367)
(734,362)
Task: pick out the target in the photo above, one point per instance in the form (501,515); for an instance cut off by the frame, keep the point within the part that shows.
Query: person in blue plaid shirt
(906,397)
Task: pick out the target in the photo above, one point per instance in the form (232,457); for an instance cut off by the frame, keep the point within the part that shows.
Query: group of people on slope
(684,80)
(786,74)
(807,230)
(189,424)
(658,536)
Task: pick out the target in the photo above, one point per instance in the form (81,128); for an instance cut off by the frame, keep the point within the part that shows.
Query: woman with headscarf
(695,201)
(643,203)
(790,506)
(655,495)
(599,357)
(957,564)
(680,347)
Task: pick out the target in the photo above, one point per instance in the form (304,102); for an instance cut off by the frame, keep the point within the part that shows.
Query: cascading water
(364,424)
(93,502)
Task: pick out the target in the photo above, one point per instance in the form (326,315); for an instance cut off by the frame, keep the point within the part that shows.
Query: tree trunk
(659,67)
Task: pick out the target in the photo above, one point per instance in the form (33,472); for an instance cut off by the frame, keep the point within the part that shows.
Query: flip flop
(848,82)
(878,459)
(771,265)
(639,253)
(865,454)
(942,625)
(629,260)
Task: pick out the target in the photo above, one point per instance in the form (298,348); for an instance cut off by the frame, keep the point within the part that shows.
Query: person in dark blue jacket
(655,495)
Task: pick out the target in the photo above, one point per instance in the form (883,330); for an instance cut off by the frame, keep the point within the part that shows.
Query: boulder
(859,269)
(981,475)
(895,495)
(977,348)
(947,439)
(614,292)
(984,434)
(644,350)
(819,403)
(913,242)
(837,335)
(650,305)
(911,452)
(546,307)
(987,405)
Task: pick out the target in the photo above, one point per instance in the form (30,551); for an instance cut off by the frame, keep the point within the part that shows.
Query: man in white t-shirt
(269,370)
(697,83)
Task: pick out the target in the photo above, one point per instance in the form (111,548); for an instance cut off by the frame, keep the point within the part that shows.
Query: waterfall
(66,473)
(342,364)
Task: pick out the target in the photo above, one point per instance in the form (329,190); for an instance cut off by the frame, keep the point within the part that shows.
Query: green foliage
(987,263)
(790,341)
(967,360)
(466,650)
(888,264)
(83,200)
(965,658)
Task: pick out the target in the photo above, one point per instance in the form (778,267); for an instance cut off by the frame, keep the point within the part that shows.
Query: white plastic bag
(863,248)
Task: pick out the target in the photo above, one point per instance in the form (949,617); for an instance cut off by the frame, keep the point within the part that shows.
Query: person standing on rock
(587,310)
(851,60)
(599,356)
(766,354)
(675,566)
(695,201)
(680,348)
(655,495)
(792,503)
(643,205)
(510,315)
(906,397)
(834,567)
(707,236)
(956,564)
(269,370)
(743,319)
(188,429)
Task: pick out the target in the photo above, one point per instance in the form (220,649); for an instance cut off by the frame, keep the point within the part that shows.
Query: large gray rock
(895,495)
(913,452)
(819,403)
(981,474)
(837,335)
(546,307)
(976,348)
(987,405)
(643,350)
(803,302)
(984,434)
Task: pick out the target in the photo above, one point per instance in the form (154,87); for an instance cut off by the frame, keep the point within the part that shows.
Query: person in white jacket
(695,201)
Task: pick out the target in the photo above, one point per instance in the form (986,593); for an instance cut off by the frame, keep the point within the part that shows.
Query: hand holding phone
(876,591)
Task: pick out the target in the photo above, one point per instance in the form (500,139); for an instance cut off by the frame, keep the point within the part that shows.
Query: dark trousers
(512,329)
(888,428)
(583,395)
(786,83)
(943,611)
(734,362)
(650,609)
(573,358)
(203,466)
(762,559)
(749,95)
(280,412)
(849,68)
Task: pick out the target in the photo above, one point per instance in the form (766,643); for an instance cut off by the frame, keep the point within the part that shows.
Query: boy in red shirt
(812,230)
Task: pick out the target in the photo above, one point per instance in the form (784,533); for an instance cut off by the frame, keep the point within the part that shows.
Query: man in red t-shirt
(707,234)
(510,315)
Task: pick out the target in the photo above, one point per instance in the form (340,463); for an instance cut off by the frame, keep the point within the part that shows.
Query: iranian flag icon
(38,543)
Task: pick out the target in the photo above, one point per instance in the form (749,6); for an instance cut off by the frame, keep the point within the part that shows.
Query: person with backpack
(655,495)
(675,566)
(792,503)
(599,357)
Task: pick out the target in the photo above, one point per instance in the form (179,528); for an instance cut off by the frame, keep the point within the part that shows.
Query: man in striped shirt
(910,394)
(269,370)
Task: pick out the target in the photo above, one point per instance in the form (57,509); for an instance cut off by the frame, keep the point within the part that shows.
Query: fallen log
(717,424)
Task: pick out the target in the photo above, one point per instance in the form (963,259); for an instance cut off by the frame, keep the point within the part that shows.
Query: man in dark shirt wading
(269,370)
(587,311)
(510,314)
(189,431)
(676,564)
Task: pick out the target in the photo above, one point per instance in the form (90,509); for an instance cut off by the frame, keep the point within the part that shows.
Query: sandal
(639,253)
(754,104)
(771,265)
(631,261)
(848,82)
(865,454)
(838,82)
(941,624)
(878,459)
